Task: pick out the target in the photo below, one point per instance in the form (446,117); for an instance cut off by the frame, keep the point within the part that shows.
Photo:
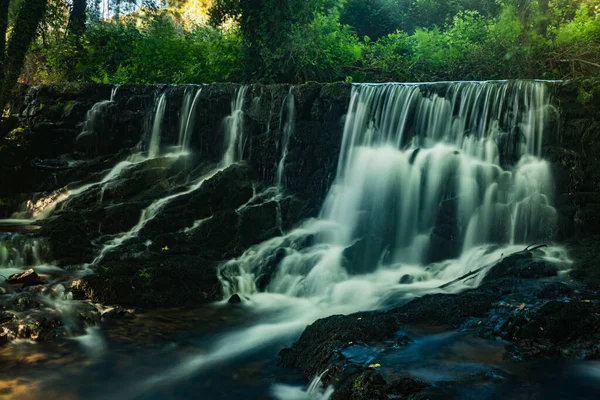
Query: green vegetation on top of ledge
(296,41)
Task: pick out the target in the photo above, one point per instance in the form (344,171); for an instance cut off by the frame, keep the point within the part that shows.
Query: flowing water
(154,148)
(433,181)
(288,130)
(188,116)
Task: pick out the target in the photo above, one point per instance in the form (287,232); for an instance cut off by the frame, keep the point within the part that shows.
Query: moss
(584,96)
(15,132)
(69,107)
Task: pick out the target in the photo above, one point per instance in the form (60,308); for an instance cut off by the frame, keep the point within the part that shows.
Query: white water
(19,254)
(154,148)
(188,116)
(234,142)
(405,152)
(44,207)
(234,128)
(288,130)
(314,391)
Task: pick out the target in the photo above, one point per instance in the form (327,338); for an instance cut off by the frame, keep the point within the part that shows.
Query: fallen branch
(445,285)
(529,248)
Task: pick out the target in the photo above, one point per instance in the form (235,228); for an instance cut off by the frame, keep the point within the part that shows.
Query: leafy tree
(77,18)
(266,26)
(21,37)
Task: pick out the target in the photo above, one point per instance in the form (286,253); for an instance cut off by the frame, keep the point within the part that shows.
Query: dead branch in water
(529,248)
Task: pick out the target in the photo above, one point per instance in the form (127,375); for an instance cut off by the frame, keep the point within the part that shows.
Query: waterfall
(188,116)
(314,391)
(431,179)
(94,118)
(289,105)
(233,151)
(418,170)
(154,147)
(234,128)
(20,252)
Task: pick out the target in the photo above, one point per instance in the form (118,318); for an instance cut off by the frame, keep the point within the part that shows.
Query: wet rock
(6,317)
(311,354)
(41,329)
(26,278)
(571,328)
(76,289)
(407,385)
(68,238)
(363,256)
(587,219)
(521,265)
(258,223)
(366,385)
(25,301)
(235,299)
(406,279)
(4,338)
(444,243)
(117,312)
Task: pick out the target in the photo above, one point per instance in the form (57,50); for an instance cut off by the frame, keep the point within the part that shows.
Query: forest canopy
(199,41)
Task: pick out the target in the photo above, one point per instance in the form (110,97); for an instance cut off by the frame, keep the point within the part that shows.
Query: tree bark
(23,34)
(3,27)
(77,18)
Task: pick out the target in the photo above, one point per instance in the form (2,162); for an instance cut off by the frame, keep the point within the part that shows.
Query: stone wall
(42,150)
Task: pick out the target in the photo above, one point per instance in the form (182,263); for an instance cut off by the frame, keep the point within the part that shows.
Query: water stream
(433,181)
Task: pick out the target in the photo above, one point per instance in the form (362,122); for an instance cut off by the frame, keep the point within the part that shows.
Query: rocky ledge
(521,303)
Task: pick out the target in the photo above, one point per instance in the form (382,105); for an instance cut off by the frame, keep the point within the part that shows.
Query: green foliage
(325,40)
(144,273)
(320,50)
(159,51)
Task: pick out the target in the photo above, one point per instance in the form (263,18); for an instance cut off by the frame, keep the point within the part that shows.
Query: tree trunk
(23,34)
(543,21)
(3,27)
(77,18)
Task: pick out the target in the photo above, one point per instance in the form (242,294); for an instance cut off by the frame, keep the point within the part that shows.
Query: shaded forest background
(199,41)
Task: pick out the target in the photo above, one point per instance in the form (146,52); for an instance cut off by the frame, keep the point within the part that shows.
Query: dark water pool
(112,360)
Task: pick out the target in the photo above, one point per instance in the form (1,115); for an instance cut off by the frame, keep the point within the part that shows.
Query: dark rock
(26,278)
(68,238)
(406,279)
(312,352)
(571,328)
(258,223)
(4,338)
(364,386)
(587,219)
(521,265)
(407,385)
(235,299)
(363,256)
(269,268)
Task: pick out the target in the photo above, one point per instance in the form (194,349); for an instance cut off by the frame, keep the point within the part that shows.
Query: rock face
(61,138)
(542,319)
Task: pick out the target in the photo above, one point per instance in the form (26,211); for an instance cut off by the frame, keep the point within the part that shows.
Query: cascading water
(433,181)
(425,174)
(234,128)
(154,147)
(188,116)
(45,206)
(287,131)
(234,142)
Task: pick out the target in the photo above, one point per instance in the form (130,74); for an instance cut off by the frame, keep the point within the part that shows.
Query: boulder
(26,278)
